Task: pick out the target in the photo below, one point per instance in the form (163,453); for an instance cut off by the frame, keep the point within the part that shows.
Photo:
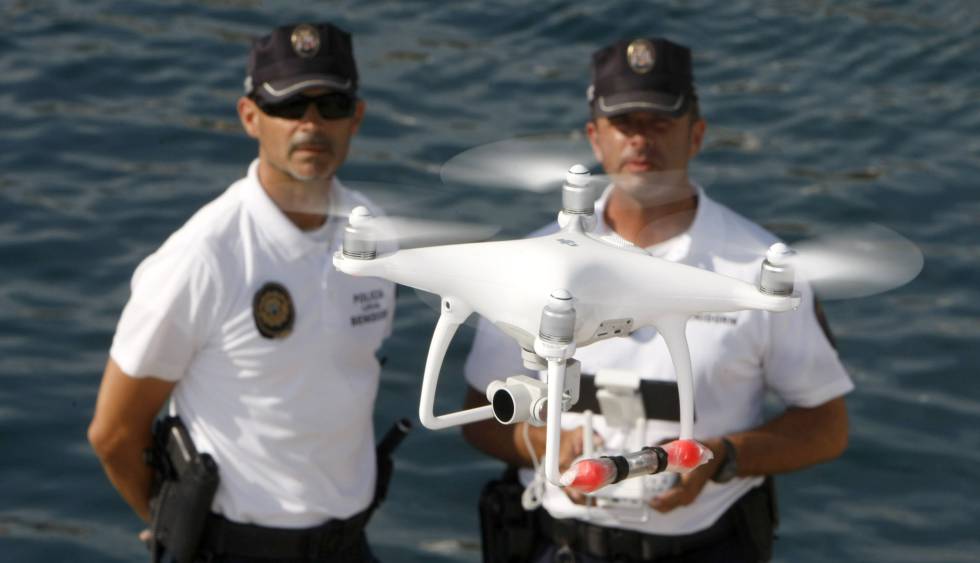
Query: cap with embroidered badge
(645,74)
(295,57)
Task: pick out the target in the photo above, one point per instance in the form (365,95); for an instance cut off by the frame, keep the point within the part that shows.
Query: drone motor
(359,243)
(778,274)
(578,199)
(577,196)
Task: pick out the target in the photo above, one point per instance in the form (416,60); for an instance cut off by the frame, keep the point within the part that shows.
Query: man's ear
(248,114)
(591,129)
(358,116)
(698,129)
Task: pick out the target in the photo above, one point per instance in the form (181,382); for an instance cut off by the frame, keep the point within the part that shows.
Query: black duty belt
(224,537)
(611,543)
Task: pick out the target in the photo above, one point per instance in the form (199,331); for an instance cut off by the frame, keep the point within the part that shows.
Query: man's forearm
(798,438)
(504,442)
(130,475)
(121,431)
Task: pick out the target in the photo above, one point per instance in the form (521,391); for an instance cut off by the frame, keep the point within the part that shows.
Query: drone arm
(673,329)
(453,315)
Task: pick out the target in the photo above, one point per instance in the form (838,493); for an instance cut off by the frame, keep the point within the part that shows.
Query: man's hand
(689,486)
(572,446)
(146,538)
(798,438)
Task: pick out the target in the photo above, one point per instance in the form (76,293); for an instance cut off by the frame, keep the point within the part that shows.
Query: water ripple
(117,121)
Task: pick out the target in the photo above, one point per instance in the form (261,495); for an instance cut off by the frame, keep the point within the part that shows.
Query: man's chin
(643,182)
(310,173)
(656,188)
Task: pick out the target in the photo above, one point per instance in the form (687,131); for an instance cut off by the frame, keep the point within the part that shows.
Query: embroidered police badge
(272,309)
(305,40)
(641,56)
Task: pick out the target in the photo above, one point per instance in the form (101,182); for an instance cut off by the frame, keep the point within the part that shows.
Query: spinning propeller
(855,262)
(534,164)
(393,231)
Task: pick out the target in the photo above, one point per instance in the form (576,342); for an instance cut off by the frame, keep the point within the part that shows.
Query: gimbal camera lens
(503,406)
(518,399)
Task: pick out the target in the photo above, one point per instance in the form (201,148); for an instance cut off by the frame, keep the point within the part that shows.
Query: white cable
(533,494)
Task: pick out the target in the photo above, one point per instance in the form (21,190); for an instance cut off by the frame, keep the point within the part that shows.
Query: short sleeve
(801,366)
(169,314)
(494,356)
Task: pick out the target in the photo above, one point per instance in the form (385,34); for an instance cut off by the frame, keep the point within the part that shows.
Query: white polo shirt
(736,357)
(287,419)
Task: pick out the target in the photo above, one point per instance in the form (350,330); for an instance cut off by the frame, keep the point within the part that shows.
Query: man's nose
(639,137)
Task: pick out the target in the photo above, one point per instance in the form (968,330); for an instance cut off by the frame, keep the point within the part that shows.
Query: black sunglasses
(333,105)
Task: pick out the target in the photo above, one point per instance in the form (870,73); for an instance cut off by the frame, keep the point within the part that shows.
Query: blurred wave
(117,121)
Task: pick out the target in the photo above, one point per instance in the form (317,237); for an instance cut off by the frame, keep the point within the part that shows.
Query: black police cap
(295,57)
(641,75)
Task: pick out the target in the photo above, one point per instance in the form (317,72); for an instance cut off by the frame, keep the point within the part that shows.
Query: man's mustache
(629,153)
(301,140)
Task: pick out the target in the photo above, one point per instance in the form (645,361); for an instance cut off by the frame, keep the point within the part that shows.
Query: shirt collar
(285,236)
(680,248)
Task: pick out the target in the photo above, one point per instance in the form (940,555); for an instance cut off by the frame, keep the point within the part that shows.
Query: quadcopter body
(554,293)
(615,290)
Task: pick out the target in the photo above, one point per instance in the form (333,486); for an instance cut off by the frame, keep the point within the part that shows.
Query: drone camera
(518,399)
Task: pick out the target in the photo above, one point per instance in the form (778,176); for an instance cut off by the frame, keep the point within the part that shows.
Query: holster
(756,519)
(185,482)
(509,533)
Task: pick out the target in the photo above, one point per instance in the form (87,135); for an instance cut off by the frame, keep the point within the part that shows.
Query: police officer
(265,351)
(645,128)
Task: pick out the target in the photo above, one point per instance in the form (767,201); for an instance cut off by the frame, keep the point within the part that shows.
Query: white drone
(551,294)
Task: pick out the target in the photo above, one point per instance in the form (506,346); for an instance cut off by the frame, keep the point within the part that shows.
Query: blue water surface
(117,122)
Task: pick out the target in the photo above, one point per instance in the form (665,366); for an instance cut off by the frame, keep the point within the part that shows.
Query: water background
(117,122)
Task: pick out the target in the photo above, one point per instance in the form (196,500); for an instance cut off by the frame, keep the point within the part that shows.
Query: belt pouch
(508,532)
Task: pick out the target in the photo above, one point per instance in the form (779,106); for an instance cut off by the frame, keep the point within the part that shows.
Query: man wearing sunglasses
(266,352)
(300,105)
